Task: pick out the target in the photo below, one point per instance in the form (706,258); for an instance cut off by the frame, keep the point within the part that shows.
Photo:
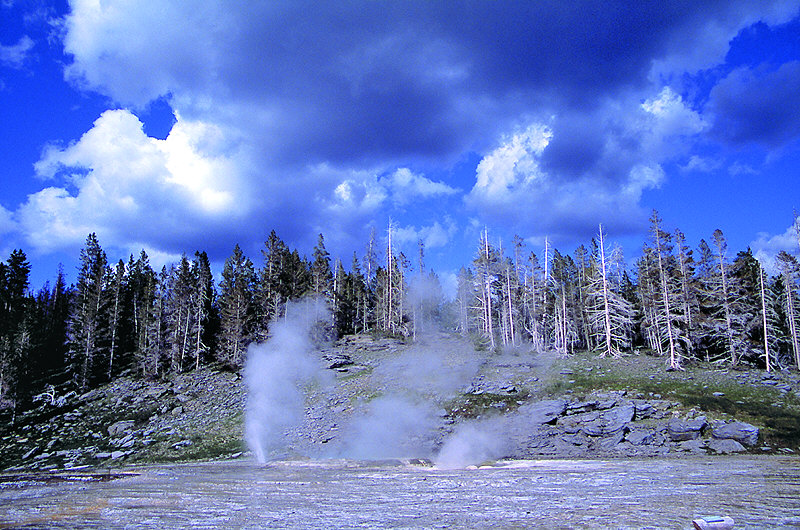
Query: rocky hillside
(437,398)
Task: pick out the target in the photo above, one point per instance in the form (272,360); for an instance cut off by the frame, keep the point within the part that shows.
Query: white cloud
(512,165)
(620,146)
(365,190)
(14,56)
(673,117)
(767,246)
(406,186)
(740,168)
(7,224)
(127,186)
(433,236)
(287,121)
(701,164)
(511,187)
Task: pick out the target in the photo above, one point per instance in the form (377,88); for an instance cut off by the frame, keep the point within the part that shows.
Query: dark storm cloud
(576,147)
(758,106)
(353,81)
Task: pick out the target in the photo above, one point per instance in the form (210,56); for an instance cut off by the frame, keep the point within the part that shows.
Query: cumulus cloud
(6,222)
(407,186)
(14,55)
(133,188)
(564,178)
(767,246)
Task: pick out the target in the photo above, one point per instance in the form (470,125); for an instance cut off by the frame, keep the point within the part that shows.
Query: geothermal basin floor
(758,492)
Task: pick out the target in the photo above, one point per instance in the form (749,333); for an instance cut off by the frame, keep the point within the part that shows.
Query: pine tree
(179,312)
(465,294)
(665,307)
(88,323)
(236,312)
(143,293)
(687,289)
(15,329)
(204,310)
(724,292)
(321,274)
(116,292)
(272,289)
(790,275)
(534,293)
(563,296)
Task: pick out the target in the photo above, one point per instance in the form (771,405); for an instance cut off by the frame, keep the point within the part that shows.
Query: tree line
(680,303)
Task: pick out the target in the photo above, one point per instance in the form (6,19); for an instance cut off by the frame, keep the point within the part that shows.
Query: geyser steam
(275,373)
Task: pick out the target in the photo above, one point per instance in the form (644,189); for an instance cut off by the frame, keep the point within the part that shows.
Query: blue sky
(182,125)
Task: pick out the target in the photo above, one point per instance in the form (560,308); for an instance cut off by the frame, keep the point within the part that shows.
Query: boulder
(682,430)
(120,427)
(696,445)
(725,446)
(641,437)
(742,432)
(610,422)
(541,412)
(611,442)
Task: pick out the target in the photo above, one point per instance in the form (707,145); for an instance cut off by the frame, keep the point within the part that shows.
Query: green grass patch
(470,406)
(226,437)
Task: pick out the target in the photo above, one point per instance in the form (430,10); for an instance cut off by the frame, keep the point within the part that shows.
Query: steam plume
(275,373)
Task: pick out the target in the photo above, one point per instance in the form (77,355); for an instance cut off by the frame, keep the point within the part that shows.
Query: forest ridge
(675,302)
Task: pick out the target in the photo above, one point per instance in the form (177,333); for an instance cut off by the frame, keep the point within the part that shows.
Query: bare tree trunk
(674,361)
(720,244)
(764,316)
(791,318)
(606,310)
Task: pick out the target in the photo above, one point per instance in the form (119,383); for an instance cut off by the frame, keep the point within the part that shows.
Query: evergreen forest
(123,318)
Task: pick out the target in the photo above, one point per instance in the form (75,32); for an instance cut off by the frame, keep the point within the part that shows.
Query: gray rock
(682,430)
(102,455)
(119,454)
(574,439)
(610,422)
(120,427)
(725,446)
(643,409)
(740,431)
(641,437)
(182,444)
(610,442)
(541,412)
(124,442)
(596,403)
(697,445)
(575,423)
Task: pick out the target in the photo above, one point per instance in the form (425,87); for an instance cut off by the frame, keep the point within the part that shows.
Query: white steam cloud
(275,373)
(393,427)
(470,444)
(403,422)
